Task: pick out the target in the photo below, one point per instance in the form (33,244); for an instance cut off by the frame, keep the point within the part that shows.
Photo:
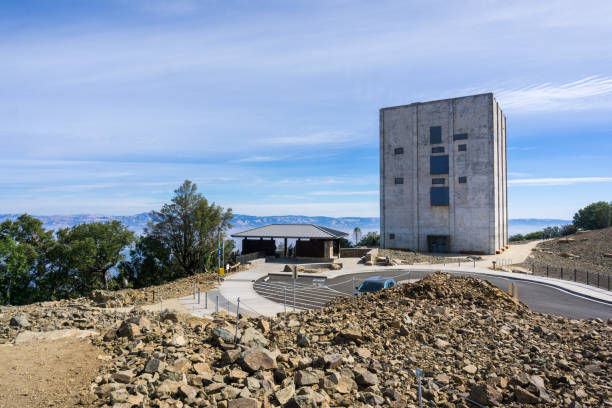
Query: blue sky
(271,107)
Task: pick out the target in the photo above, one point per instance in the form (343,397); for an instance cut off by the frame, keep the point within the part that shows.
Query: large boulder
(257,359)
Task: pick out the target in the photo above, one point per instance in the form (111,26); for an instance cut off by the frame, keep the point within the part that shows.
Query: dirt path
(46,374)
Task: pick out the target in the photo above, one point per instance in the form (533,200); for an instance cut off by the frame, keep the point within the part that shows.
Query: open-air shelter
(312,241)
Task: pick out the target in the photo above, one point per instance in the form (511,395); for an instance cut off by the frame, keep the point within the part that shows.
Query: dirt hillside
(588,250)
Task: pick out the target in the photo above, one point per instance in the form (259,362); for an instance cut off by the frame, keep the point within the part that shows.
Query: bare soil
(585,251)
(47,374)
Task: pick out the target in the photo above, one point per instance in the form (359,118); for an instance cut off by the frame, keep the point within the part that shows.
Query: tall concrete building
(443,176)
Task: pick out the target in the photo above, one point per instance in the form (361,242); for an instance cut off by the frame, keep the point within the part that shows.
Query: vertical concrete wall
(476,217)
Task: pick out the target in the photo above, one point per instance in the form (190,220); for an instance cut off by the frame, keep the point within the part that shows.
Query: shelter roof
(309,231)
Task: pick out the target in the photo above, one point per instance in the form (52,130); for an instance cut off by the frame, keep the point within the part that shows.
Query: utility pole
(219,256)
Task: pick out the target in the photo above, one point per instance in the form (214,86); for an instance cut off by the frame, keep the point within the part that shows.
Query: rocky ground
(175,289)
(465,334)
(410,257)
(588,250)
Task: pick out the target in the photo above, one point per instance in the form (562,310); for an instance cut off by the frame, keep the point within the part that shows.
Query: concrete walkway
(240,285)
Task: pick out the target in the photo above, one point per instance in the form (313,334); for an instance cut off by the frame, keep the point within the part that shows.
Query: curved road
(311,293)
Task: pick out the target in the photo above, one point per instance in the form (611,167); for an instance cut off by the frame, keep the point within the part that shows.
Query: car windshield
(371,286)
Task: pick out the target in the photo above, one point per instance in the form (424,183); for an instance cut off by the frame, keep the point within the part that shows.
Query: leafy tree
(594,216)
(15,283)
(568,229)
(150,264)
(189,227)
(345,243)
(34,242)
(371,239)
(516,237)
(357,234)
(89,251)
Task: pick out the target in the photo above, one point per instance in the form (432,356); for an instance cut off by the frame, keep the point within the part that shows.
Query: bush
(594,216)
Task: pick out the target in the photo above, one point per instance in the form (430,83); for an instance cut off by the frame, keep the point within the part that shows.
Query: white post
(237,311)
(194,290)
(199,296)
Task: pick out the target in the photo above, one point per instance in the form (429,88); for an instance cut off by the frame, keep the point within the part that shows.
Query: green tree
(15,284)
(357,234)
(34,243)
(150,264)
(594,216)
(190,227)
(371,239)
(345,243)
(87,252)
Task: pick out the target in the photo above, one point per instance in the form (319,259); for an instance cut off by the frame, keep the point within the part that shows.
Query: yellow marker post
(221,271)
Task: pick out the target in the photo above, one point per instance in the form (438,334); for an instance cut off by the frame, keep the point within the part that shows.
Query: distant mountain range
(138,222)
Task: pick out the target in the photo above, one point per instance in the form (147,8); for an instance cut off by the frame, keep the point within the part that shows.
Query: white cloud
(318,138)
(340,209)
(558,181)
(344,193)
(582,94)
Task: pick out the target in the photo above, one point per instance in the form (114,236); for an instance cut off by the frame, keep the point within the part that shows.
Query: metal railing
(250,257)
(596,279)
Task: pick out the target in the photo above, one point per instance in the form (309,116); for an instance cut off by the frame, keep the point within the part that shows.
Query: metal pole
(199,298)
(587,277)
(547,275)
(205,300)
(194,290)
(597,279)
(223,254)
(285,298)
(474,262)
(608,282)
(575,279)
(219,256)
(294,295)
(353,289)
(237,311)
(115,310)
(561,272)
(419,374)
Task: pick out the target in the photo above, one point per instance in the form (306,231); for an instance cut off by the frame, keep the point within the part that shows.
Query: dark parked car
(374,284)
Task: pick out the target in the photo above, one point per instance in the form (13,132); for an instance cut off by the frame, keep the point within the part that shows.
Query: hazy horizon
(273,107)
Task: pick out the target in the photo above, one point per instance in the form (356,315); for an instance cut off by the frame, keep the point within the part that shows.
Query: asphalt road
(310,293)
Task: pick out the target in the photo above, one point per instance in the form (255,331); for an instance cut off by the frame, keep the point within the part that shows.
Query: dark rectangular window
(438,164)
(399,180)
(399,150)
(391,236)
(462,180)
(438,196)
(435,134)
(438,181)
(462,148)
(460,136)
(438,149)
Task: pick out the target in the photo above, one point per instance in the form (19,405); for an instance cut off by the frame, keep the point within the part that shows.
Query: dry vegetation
(588,250)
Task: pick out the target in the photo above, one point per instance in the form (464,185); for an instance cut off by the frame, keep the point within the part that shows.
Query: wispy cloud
(344,193)
(580,94)
(318,138)
(558,181)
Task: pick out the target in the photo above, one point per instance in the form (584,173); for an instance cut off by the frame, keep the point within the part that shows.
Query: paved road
(539,297)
